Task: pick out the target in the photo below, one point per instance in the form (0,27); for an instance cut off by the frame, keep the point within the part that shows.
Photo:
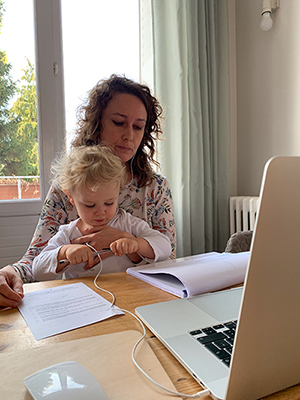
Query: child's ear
(70,198)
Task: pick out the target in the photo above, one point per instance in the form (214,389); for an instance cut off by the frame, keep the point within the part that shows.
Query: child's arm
(75,254)
(132,248)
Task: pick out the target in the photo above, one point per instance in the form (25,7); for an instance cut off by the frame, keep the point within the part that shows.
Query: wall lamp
(267,7)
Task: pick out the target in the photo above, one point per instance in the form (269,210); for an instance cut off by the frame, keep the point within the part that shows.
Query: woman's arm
(161,209)
(56,211)
(102,238)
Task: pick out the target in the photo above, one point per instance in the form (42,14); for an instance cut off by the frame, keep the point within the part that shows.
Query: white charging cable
(202,393)
(100,270)
(197,395)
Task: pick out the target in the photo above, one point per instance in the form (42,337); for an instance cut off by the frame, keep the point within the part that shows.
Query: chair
(239,241)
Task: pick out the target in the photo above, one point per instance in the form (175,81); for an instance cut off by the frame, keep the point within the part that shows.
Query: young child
(91,177)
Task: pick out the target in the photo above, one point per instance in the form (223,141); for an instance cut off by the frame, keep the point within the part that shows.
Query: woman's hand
(11,287)
(101,238)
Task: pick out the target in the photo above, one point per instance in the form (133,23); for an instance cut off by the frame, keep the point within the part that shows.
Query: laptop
(262,316)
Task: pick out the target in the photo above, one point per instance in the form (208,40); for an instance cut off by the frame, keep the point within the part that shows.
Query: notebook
(266,353)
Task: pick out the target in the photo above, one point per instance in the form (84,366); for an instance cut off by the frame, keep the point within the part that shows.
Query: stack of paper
(190,276)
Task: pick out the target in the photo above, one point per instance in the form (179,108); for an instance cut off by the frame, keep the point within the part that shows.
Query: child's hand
(78,253)
(124,246)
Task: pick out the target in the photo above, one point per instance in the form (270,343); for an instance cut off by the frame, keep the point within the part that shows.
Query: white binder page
(55,310)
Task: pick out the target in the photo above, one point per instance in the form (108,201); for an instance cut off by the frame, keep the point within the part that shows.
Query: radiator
(243,211)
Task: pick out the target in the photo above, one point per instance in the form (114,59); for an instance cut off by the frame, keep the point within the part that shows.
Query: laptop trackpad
(222,306)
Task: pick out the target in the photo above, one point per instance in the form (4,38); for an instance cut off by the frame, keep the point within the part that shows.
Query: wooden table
(130,293)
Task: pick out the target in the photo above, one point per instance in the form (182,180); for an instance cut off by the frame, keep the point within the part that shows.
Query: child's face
(96,208)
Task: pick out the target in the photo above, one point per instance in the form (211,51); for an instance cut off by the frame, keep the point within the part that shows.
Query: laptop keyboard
(218,339)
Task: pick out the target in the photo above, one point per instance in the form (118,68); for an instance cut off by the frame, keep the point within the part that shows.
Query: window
(98,39)
(51,129)
(18,218)
(18,103)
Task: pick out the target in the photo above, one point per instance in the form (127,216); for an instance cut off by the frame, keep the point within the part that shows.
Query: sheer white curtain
(191,79)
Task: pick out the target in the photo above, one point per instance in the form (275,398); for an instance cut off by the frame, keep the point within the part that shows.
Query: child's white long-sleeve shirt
(45,264)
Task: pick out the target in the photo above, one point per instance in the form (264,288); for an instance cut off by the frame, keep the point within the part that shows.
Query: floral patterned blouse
(153,203)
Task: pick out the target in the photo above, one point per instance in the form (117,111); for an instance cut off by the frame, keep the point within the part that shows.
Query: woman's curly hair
(90,126)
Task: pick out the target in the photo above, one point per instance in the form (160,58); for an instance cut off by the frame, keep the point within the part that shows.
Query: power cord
(197,395)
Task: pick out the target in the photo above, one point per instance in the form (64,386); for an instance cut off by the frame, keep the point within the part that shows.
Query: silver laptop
(261,320)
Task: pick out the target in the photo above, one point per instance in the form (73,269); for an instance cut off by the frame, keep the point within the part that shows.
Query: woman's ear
(70,197)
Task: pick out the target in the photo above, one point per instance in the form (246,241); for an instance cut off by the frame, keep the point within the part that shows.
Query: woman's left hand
(101,237)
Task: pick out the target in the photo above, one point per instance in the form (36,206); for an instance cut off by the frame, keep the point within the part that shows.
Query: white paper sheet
(51,311)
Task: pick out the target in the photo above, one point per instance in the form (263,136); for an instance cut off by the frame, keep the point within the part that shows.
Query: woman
(124,115)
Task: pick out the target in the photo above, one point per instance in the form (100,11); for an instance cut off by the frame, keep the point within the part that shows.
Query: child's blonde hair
(87,167)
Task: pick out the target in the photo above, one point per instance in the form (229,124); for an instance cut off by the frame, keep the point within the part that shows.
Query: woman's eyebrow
(125,116)
(121,115)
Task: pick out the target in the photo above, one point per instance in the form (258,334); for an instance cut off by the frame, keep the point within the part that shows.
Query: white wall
(268,89)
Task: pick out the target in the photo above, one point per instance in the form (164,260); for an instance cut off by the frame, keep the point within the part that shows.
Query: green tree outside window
(18,123)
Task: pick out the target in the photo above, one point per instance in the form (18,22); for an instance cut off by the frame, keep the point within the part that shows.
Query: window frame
(50,101)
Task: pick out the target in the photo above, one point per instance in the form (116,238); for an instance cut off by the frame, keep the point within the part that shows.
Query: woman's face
(123,124)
